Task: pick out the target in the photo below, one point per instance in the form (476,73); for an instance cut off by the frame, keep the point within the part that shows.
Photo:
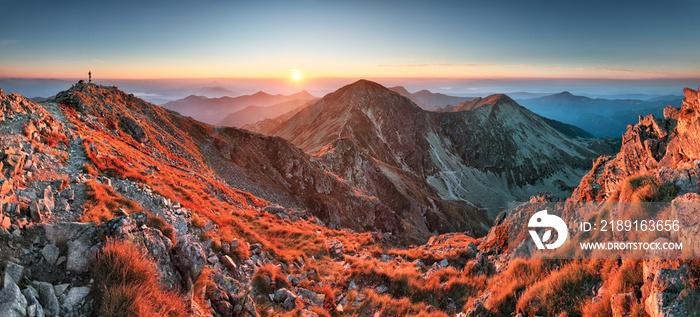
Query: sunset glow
(543,39)
(296,75)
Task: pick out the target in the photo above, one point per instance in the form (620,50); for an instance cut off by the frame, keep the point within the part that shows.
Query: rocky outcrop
(657,146)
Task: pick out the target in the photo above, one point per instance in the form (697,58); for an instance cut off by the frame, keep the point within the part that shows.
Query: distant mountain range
(253,114)
(601,117)
(212,110)
(427,100)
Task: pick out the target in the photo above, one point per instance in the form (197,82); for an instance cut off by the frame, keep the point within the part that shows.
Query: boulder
(82,241)
(133,128)
(50,253)
(228,263)
(189,258)
(13,274)
(34,308)
(47,298)
(74,297)
(665,291)
(12,302)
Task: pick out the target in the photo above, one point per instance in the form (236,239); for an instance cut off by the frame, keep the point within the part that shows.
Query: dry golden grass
(645,188)
(164,227)
(563,291)
(128,284)
(271,273)
(103,202)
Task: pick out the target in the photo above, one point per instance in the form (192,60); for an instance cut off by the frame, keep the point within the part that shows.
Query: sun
(296,75)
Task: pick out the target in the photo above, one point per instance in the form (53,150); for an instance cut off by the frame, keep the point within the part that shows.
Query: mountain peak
(565,95)
(260,94)
(490,101)
(401,91)
(303,95)
(363,84)
(367,94)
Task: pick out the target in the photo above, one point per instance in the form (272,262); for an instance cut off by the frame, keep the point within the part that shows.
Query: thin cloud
(439,65)
(4,43)
(464,65)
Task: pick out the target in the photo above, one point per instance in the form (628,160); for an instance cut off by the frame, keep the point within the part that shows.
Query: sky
(350,39)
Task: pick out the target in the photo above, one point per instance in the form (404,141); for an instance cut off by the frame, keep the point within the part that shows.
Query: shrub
(268,278)
(646,188)
(519,275)
(129,286)
(164,227)
(560,292)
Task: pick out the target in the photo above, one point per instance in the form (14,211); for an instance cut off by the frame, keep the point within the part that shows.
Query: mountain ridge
(211,110)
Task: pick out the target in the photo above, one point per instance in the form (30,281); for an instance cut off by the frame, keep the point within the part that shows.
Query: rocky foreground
(115,207)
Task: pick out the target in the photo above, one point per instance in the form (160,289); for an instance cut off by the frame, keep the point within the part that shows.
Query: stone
(280,295)
(35,211)
(228,263)
(81,239)
(26,195)
(234,244)
(289,303)
(189,258)
(664,290)
(335,249)
(352,285)
(671,112)
(225,248)
(224,308)
(34,308)
(382,289)
(311,295)
(50,253)
(74,297)
(62,205)
(47,298)
(5,222)
(444,263)
(292,280)
(60,289)
(48,200)
(79,255)
(13,274)
(12,302)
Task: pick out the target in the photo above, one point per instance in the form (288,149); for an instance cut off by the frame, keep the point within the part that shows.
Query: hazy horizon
(162,90)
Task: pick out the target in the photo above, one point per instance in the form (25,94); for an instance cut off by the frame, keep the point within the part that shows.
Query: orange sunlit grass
(103,202)
(128,284)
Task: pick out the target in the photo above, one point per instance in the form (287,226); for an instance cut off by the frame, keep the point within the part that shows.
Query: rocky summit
(358,204)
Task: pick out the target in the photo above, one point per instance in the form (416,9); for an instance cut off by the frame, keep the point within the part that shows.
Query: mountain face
(602,117)
(270,168)
(428,100)
(566,129)
(212,110)
(444,171)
